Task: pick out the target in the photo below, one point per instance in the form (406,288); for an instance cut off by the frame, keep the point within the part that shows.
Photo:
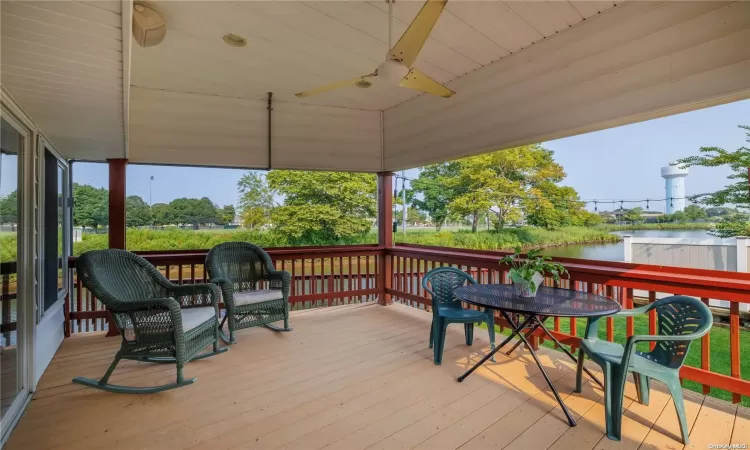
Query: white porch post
(627,243)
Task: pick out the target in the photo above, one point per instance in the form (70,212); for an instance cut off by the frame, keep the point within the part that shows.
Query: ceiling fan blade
(332,86)
(420,82)
(407,48)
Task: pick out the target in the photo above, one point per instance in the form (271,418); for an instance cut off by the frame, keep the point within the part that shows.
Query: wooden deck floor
(349,377)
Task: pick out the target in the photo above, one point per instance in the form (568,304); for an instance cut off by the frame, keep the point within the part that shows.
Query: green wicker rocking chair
(238,268)
(159,321)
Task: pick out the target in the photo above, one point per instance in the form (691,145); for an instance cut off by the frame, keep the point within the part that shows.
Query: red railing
(619,281)
(326,276)
(321,276)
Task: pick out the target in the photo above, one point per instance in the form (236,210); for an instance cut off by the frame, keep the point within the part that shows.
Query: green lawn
(719,349)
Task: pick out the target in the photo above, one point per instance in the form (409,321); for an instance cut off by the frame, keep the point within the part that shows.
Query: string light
(416,183)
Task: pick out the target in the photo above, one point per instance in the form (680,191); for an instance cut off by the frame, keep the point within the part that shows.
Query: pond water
(615,251)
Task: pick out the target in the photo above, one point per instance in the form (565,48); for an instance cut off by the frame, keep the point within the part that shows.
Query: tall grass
(510,238)
(176,239)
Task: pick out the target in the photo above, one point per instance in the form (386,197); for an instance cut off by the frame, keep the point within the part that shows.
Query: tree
(192,211)
(734,193)
(436,185)
(414,215)
(161,215)
(256,200)
(90,206)
(679,217)
(498,181)
(552,206)
(9,208)
(633,215)
(227,214)
(206,211)
(137,212)
(323,206)
(695,212)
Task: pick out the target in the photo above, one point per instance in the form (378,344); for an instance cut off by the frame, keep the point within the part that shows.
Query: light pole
(150,203)
(403,196)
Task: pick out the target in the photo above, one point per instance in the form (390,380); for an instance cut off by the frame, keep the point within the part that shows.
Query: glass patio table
(549,302)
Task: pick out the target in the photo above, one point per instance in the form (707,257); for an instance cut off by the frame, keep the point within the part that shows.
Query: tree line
(503,187)
(91,210)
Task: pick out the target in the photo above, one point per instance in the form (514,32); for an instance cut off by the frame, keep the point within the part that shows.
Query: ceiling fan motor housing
(392,71)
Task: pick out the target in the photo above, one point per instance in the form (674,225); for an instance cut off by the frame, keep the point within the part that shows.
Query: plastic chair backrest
(441,284)
(678,316)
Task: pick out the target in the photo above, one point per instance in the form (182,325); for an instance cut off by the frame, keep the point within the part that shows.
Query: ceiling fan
(397,68)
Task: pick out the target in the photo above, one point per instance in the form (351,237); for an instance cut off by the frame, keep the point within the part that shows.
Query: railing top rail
(737,285)
(198,256)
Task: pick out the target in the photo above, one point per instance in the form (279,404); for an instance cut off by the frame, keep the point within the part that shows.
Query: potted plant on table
(528,273)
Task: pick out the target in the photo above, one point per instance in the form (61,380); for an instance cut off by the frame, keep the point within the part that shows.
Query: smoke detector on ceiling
(149,28)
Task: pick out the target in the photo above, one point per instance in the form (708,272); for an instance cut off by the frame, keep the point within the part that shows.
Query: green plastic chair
(239,268)
(159,321)
(680,321)
(440,283)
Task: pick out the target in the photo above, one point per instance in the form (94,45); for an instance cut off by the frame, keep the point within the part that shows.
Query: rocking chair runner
(238,268)
(159,321)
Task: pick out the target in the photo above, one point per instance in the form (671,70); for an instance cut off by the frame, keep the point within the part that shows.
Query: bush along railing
(321,276)
(718,373)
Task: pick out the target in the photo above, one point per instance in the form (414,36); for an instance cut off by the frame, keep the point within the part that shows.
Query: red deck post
(116,213)
(385,234)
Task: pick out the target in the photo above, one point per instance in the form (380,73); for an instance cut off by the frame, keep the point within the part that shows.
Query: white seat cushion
(193,317)
(261,295)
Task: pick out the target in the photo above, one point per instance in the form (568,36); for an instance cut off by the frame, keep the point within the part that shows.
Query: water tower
(674,178)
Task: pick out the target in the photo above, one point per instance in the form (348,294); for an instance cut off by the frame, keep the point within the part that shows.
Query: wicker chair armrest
(227,290)
(202,294)
(150,316)
(280,279)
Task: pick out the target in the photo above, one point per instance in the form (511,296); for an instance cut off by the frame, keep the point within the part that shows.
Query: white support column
(627,244)
(742,244)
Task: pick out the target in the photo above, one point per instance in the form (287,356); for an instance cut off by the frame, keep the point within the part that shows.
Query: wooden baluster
(627,302)
(192,273)
(179,274)
(304,278)
(293,289)
(573,325)
(367,274)
(349,278)
(331,287)
(706,353)
(610,320)
(652,318)
(6,316)
(79,302)
(734,344)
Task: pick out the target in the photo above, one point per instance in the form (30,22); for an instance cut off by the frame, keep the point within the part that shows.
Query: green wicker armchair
(159,321)
(238,268)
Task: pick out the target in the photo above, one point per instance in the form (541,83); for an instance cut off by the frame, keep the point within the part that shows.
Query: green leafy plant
(532,268)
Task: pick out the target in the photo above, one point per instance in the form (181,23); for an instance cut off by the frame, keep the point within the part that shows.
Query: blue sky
(616,164)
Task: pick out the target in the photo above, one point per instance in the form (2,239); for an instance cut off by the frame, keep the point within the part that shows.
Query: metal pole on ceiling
(403,197)
(270,108)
